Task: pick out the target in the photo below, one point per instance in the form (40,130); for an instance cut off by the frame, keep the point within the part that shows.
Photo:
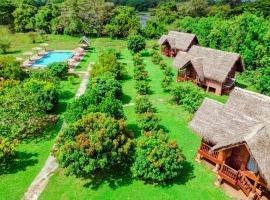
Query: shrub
(143,105)
(156,58)
(137,59)
(156,158)
(263,84)
(108,62)
(163,65)
(46,94)
(95,142)
(188,95)
(167,83)
(4,46)
(59,69)
(142,87)
(7,149)
(33,36)
(72,80)
(10,68)
(140,73)
(136,43)
(148,121)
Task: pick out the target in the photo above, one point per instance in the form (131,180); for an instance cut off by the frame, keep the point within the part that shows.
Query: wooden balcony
(204,151)
(229,174)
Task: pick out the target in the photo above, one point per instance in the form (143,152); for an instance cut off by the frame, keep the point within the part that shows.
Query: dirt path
(41,180)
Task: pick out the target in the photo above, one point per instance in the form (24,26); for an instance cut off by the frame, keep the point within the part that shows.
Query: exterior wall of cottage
(239,157)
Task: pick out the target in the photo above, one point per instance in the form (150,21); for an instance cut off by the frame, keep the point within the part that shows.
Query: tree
(95,142)
(263,84)
(136,43)
(108,62)
(7,7)
(156,58)
(46,93)
(59,69)
(10,68)
(143,105)
(4,46)
(124,23)
(142,87)
(45,17)
(189,95)
(156,158)
(154,29)
(148,121)
(24,17)
(7,150)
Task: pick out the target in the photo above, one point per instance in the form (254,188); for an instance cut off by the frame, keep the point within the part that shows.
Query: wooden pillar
(221,158)
(218,181)
(207,88)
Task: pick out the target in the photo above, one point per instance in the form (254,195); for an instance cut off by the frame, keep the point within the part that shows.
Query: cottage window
(252,166)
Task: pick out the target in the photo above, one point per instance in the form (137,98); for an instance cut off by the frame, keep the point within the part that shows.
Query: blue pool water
(52,57)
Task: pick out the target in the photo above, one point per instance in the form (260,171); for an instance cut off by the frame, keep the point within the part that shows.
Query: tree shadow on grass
(20,162)
(187,174)
(15,51)
(115,177)
(126,99)
(241,85)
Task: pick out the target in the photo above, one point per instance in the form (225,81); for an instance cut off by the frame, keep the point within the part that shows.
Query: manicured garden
(195,180)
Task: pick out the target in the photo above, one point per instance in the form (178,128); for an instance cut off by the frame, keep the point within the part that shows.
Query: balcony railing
(228,173)
(244,184)
(205,152)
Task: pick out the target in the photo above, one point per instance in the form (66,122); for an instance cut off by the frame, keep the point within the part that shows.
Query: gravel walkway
(42,179)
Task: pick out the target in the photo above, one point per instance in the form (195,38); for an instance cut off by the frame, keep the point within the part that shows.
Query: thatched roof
(210,63)
(178,40)
(244,119)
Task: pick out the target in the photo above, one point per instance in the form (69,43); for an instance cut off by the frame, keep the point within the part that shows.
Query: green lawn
(32,155)
(196,182)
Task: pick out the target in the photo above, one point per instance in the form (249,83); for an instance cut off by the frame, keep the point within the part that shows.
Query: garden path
(42,179)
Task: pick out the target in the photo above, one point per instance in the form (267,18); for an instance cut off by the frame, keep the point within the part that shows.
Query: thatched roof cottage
(236,137)
(175,42)
(210,68)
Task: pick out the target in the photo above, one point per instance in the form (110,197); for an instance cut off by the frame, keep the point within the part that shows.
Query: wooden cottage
(211,69)
(236,139)
(175,41)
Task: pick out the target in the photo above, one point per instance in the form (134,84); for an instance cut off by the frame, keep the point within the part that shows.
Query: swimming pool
(52,57)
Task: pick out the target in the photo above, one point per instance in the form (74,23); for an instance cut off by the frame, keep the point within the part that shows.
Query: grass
(33,154)
(196,182)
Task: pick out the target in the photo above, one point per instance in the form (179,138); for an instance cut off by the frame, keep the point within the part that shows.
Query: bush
(7,149)
(143,105)
(140,73)
(156,58)
(189,95)
(148,121)
(33,36)
(156,158)
(108,62)
(136,43)
(167,83)
(46,93)
(10,68)
(59,69)
(142,87)
(72,80)
(263,84)
(4,46)
(96,142)
(137,59)
(163,65)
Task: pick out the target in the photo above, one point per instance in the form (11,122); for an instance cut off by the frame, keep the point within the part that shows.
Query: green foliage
(142,87)
(108,62)
(137,59)
(140,74)
(156,58)
(194,8)
(263,82)
(189,95)
(167,82)
(136,43)
(157,159)
(24,17)
(102,95)
(143,105)
(19,114)
(154,29)
(59,69)
(46,93)
(125,22)
(95,142)
(72,80)
(4,46)
(7,150)
(166,13)
(148,121)
(10,68)
(7,7)
(33,36)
